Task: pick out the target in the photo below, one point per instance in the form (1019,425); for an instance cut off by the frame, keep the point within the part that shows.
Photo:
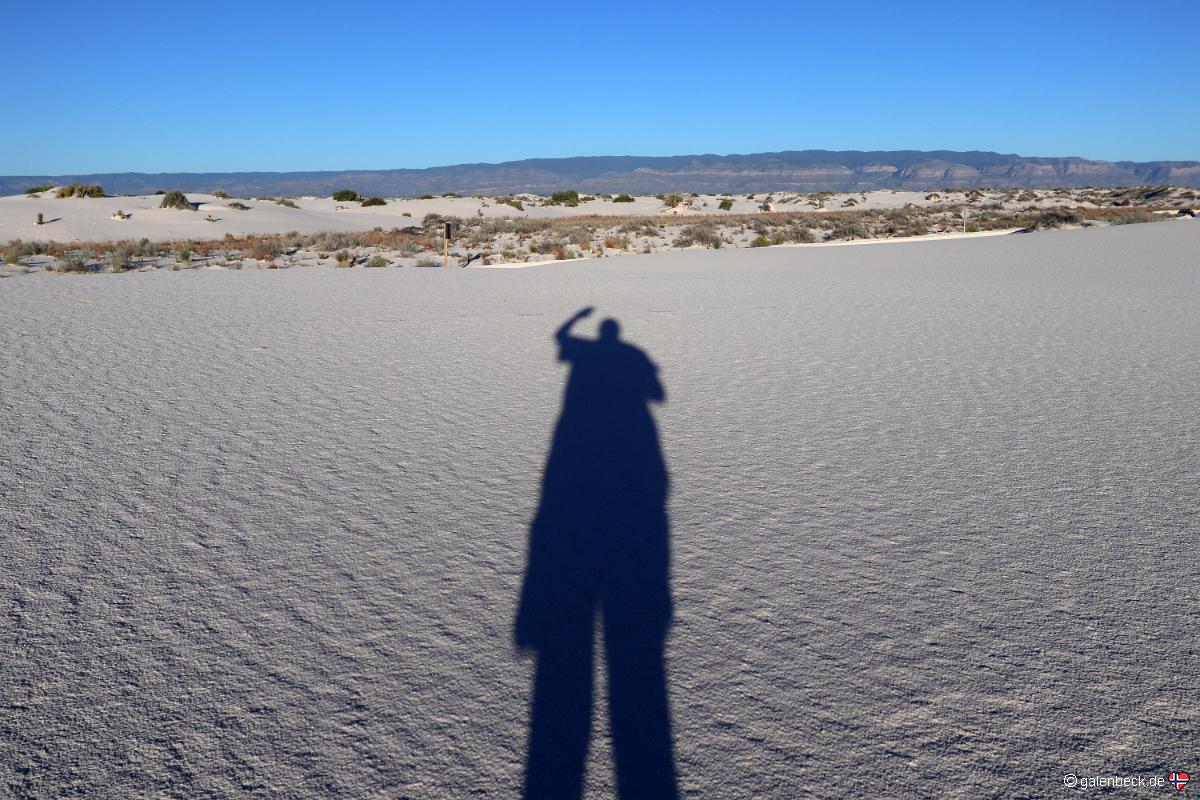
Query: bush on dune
(347,196)
(80,190)
(175,199)
(374,201)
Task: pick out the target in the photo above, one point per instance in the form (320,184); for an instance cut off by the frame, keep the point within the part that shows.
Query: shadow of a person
(598,546)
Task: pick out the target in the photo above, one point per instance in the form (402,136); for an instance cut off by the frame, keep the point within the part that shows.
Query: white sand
(934,519)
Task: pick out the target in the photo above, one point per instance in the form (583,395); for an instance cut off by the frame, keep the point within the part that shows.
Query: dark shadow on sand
(599,554)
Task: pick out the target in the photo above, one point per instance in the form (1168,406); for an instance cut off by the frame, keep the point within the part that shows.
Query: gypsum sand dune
(930,507)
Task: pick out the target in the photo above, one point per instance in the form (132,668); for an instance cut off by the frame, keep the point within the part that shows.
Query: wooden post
(446,242)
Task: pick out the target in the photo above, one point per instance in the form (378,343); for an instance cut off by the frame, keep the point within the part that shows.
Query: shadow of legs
(562,714)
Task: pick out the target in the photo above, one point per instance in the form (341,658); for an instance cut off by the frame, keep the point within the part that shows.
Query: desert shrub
(236,206)
(220,195)
(36,189)
(726,204)
(76,262)
(565,254)
(264,248)
(511,201)
(80,190)
(622,198)
(760,241)
(286,203)
(1056,218)
(175,199)
(343,258)
(185,254)
(120,258)
(347,196)
(451,194)
(702,233)
(428,261)
(425,197)
(568,198)
(673,199)
(849,229)
(374,201)
(376,261)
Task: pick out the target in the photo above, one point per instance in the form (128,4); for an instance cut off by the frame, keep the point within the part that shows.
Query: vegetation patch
(176,199)
(80,190)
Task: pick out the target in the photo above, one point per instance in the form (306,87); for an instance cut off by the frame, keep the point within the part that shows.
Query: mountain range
(792,170)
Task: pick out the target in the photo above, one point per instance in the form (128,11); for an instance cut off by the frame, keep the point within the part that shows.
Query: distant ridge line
(790,170)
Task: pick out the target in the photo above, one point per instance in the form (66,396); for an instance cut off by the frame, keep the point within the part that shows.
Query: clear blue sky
(229,86)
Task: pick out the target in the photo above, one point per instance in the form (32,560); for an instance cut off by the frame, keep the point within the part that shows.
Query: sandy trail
(933,519)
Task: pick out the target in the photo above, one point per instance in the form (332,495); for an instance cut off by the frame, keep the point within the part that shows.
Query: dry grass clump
(1127,215)
(374,201)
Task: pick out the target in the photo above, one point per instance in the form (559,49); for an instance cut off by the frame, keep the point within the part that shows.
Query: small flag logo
(1179,780)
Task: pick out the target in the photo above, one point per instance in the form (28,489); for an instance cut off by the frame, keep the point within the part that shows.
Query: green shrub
(236,206)
(622,198)
(220,195)
(374,201)
(377,261)
(760,241)
(451,194)
(511,201)
(286,203)
(726,204)
(347,196)
(36,189)
(175,199)
(343,258)
(425,197)
(568,198)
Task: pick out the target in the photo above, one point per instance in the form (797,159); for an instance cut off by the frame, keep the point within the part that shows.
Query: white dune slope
(933,520)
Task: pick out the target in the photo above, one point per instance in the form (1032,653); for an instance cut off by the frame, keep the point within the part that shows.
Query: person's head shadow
(599,553)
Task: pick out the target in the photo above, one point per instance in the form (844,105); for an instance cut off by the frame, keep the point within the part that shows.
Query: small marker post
(446,242)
